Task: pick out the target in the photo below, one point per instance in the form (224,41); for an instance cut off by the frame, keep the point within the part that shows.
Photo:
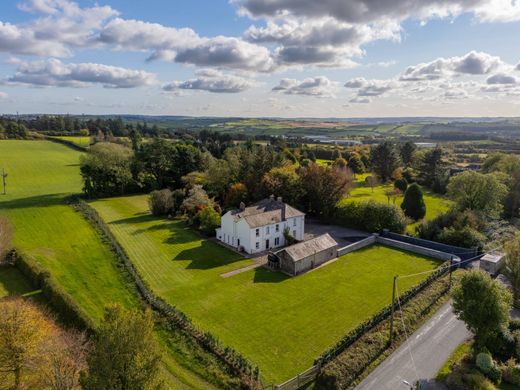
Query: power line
(406,335)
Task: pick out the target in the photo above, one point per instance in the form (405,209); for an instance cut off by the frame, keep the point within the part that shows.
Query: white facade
(249,236)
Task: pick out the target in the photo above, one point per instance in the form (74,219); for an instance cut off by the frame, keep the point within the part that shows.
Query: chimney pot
(271,197)
(242,206)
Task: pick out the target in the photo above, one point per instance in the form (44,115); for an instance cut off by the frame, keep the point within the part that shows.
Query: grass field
(78,140)
(41,173)
(280,323)
(435,204)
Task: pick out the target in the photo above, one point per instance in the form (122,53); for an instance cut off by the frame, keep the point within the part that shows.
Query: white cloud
(360,100)
(369,88)
(53,72)
(502,78)
(212,81)
(473,63)
(319,86)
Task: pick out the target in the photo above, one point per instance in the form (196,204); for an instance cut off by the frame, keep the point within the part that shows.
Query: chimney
(279,199)
(242,206)
(271,197)
(283,211)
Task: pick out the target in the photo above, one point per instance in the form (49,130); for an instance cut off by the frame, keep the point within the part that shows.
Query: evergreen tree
(355,163)
(407,152)
(385,160)
(431,167)
(413,202)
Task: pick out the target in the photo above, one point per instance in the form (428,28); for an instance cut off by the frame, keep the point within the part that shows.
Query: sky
(261,58)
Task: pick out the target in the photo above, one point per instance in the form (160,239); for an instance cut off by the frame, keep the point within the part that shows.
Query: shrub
(484,362)
(372,216)
(161,202)
(209,220)
(401,184)
(511,372)
(465,237)
(413,202)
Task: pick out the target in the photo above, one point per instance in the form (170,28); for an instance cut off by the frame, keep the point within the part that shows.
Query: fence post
(393,309)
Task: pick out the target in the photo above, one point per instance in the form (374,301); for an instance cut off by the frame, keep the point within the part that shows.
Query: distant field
(80,141)
(435,204)
(279,323)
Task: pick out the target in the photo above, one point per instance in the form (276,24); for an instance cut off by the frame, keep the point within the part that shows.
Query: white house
(260,226)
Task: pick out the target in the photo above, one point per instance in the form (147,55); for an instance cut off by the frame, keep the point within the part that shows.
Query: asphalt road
(430,346)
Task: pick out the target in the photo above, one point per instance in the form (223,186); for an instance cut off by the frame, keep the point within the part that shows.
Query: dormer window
(258,232)
(277,227)
(267,230)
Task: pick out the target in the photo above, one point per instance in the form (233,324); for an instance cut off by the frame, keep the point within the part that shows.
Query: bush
(161,202)
(511,372)
(401,184)
(209,220)
(372,216)
(465,237)
(484,362)
(413,202)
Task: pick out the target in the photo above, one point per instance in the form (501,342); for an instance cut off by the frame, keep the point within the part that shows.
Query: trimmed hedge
(371,216)
(68,143)
(359,349)
(61,301)
(248,374)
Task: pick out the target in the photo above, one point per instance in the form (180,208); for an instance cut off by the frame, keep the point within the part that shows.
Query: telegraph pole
(393,310)
(4,177)
(451,270)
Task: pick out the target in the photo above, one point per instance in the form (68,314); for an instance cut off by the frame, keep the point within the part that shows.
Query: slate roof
(306,248)
(265,212)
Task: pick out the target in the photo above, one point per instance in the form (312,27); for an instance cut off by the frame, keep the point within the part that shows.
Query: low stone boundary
(357,245)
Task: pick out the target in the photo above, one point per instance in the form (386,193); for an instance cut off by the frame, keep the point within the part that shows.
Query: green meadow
(279,323)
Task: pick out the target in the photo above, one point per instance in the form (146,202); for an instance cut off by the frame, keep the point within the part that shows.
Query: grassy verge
(457,355)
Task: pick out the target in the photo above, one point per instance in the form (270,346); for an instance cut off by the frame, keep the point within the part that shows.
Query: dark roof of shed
(306,248)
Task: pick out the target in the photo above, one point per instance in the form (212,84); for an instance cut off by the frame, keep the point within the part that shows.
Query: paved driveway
(342,235)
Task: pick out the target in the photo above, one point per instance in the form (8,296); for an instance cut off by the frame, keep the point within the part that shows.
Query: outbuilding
(493,262)
(306,255)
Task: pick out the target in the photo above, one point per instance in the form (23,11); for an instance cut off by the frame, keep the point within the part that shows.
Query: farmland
(77,140)
(41,174)
(267,316)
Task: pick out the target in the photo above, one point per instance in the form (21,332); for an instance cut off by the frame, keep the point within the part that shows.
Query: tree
(106,169)
(324,187)
(196,200)
(161,202)
(371,181)
(284,182)
(512,267)
(340,163)
(136,138)
(401,185)
(23,330)
(385,160)
(407,152)
(209,220)
(477,191)
(431,169)
(355,163)
(509,165)
(236,194)
(483,304)
(413,202)
(125,356)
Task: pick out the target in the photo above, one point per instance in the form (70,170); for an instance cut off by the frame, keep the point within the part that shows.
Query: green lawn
(41,173)
(279,323)
(435,204)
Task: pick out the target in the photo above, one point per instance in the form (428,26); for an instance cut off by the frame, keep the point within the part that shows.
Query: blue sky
(332,58)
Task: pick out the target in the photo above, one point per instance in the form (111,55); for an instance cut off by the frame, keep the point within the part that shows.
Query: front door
(266,244)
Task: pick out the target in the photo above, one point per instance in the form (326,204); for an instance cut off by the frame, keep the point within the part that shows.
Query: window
(294,222)
(294,233)
(258,232)
(277,241)
(257,244)
(277,228)
(267,230)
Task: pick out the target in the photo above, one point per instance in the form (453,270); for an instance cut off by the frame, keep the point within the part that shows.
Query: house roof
(265,212)
(306,248)
(493,257)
